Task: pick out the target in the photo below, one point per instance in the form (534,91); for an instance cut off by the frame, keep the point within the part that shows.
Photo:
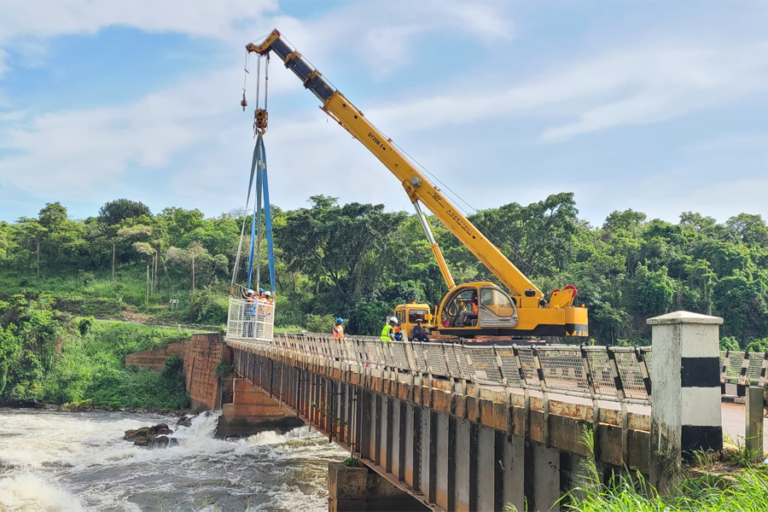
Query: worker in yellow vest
(388,332)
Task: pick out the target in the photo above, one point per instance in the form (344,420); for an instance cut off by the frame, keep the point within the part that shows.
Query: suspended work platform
(250,321)
(252,313)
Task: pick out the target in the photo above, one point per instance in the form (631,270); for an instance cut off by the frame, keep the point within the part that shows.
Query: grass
(746,491)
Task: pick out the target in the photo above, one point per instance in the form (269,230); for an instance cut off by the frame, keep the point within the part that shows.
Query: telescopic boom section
(418,187)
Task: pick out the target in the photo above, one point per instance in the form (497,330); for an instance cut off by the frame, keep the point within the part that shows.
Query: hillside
(358,261)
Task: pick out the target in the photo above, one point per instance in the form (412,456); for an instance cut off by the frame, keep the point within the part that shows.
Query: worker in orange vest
(337,329)
(466,316)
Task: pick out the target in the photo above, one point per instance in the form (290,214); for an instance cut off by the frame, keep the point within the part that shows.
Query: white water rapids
(51,461)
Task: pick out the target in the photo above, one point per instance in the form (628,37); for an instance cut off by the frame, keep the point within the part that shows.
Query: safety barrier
(619,374)
(744,368)
(250,321)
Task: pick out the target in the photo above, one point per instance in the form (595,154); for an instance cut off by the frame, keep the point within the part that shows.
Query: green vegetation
(745,491)
(748,492)
(357,261)
(46,355)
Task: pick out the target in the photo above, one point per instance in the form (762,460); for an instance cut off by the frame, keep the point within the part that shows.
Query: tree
(52,215)
(343,246)
(115,212)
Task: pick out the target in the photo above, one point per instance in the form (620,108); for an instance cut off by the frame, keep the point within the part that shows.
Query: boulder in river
(151,436)
(185,421)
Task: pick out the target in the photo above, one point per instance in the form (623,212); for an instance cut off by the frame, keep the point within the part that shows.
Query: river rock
(185,421)
(148,436)
(162,442)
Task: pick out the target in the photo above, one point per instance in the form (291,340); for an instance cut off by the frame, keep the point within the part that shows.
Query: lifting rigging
(467,310)
(258,179)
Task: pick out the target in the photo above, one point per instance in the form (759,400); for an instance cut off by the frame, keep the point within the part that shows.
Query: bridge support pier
(360,489)
(252,411)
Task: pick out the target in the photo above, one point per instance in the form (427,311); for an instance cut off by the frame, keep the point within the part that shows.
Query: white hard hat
(267,294)
(249,292)
(393,319)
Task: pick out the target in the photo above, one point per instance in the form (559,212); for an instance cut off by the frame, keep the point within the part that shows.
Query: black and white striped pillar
(685,408)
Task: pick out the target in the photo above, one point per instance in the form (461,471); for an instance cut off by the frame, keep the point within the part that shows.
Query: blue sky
(656,106)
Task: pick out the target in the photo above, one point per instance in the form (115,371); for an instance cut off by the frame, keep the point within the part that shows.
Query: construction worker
(337,329)
(250,312)
(388,332)
(466,316)
(419,332)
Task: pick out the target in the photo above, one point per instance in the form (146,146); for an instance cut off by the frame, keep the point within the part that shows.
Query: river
(79,461)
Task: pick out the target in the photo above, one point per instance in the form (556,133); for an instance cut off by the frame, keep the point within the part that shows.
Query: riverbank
(47,356)
(51,460)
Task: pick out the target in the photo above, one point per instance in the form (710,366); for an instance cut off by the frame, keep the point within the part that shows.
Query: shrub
(729,343)
(84,325)
(320,324)
(207,307)
(224,370)
(173,366)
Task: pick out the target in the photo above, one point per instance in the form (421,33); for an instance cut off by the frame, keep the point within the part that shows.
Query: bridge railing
(598,373)
(744,368)
(250,320)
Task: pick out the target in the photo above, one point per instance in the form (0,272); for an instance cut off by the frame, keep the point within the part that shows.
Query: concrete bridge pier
(251,411)
(360,489)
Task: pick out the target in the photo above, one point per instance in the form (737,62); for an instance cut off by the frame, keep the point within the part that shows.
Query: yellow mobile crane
(467,310)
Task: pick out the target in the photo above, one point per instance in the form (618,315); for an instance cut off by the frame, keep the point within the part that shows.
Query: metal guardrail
(618,374)
(744,368)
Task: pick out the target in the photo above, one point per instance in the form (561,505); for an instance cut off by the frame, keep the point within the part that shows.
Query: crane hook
(244,103)
(260,118)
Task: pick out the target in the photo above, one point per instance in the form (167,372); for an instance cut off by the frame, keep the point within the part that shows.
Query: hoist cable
(266,84)
(258,81)
(245,75)
(256,218)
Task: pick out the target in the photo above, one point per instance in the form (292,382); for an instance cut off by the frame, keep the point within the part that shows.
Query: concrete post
(753,437)
(685,406)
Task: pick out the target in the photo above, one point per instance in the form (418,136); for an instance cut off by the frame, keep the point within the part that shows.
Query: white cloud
(86,154)
(48,18)
(28,23)
(381,32)
(81,151)
(629,86)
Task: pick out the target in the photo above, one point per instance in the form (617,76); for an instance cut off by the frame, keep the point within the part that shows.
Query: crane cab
(484,309)
(475,309)
(408,316)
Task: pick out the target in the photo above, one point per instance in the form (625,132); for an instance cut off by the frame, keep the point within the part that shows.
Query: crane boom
(416,185)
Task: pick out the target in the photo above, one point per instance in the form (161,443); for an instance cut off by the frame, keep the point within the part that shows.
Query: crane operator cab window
(414,315)
(461,309)
(496,308)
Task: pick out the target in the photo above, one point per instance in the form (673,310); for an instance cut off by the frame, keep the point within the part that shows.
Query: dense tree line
(357,260)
